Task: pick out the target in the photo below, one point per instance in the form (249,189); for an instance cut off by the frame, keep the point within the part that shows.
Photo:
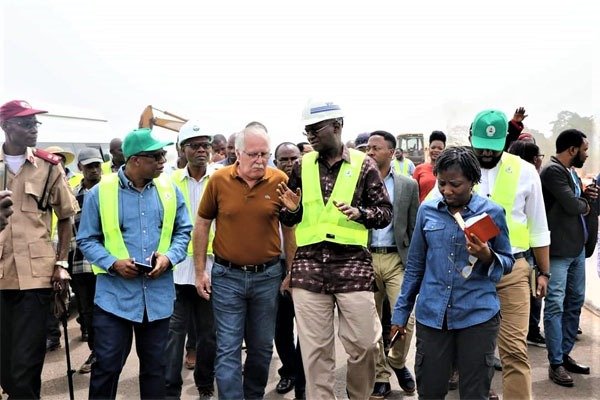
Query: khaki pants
(513,291)
(389,274)
(358,331)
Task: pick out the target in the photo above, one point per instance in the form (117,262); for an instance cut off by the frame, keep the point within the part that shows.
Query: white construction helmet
(191,129)
(317,111)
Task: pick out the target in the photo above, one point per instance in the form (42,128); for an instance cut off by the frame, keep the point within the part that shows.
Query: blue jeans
(113,338)
(189,303)
(244,305)
(566,294)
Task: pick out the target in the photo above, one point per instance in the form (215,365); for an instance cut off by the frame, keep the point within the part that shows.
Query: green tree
(571,120)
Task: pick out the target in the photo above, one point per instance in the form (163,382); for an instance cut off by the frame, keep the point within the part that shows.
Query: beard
(489,164)
(577,161)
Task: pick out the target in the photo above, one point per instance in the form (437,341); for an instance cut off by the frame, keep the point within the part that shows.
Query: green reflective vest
(108,198)
(404,170)
(177,178)
(504,194)
(324,222)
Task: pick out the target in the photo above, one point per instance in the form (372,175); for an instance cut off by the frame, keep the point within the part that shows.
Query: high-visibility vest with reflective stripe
(404,170)
(177,178)
(504,194)
(108,197)
(324,222)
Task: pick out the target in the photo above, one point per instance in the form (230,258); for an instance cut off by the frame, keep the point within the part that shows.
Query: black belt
(383,250)
(248,267)
(522,254)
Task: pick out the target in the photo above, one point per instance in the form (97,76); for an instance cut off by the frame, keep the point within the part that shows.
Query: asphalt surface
(587,351)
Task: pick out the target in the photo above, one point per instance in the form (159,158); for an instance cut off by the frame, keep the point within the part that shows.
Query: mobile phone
(395,338)
(143,267)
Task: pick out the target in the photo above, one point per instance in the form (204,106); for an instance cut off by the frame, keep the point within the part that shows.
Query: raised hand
(290,200)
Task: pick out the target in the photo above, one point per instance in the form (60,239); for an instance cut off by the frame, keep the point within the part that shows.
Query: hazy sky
(398,66)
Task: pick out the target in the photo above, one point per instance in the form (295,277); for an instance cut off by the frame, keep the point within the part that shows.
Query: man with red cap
(31,266)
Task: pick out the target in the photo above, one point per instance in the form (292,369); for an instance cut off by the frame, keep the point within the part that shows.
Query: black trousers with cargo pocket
(472,348)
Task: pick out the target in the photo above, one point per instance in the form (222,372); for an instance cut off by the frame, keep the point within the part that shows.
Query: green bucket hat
(489,130)
(141,140)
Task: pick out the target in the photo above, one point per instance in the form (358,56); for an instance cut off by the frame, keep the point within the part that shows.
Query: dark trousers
(84,286)
(535,313)
(23,316)
(52,325)
(112,345)
(188,302)
(289,354)
(471,348)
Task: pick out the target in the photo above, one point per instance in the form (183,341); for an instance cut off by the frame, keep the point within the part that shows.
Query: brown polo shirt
(247,219)
(26,253)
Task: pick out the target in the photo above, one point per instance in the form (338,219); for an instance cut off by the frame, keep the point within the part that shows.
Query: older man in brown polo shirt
(29,265)
(246,274)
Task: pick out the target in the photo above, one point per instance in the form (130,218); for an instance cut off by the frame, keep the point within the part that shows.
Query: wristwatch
(62,264)
(546,274)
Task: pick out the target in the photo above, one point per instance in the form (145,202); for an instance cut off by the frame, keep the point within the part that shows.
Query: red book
(483,226)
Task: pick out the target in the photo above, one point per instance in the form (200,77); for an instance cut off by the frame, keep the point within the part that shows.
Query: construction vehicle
(413,146)
(148,120)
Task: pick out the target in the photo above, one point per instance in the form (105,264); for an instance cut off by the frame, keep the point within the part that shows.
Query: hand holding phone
(146,267)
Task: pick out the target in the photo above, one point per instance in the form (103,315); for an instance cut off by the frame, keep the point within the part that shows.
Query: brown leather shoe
(560,376)
(190,359)
(493,396)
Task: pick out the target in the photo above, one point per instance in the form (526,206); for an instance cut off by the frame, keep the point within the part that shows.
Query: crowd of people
(243,244)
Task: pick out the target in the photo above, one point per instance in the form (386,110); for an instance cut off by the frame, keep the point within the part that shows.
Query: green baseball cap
(140,140)
(489,130)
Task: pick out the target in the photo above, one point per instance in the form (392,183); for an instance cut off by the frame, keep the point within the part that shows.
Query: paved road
(587,351)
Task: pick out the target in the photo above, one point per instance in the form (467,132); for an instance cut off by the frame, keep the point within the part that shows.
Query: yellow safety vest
(324,222)
(108,198)
(106,168)
(404,170)
(504,194)
(73,182)
(177,178)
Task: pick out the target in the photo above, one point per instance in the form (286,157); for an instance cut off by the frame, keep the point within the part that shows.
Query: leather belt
(522,254)
(248,267)
(383,250)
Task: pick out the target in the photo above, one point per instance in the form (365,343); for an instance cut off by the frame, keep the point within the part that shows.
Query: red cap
(17,108)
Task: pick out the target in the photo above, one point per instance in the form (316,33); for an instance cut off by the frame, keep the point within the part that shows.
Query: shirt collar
(124,182)
(471,205)
(345,154)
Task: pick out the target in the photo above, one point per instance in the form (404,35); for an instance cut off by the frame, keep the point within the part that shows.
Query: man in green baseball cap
(515,185)
(141,141)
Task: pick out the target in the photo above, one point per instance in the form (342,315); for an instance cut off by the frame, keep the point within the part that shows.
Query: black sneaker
(536,340)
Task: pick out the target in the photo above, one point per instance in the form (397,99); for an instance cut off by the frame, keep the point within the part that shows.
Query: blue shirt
(385,237)
(436,257)
(140,226)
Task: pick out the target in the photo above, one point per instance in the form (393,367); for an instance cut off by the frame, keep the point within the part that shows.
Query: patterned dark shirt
(328,267)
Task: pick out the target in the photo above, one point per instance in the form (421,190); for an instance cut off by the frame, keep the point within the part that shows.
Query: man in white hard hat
(334,196)
(195,144)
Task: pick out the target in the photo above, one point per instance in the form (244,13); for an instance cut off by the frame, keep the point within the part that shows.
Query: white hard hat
(191,129)
(317,111)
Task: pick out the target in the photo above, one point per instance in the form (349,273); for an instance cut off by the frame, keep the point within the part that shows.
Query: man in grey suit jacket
(389,247)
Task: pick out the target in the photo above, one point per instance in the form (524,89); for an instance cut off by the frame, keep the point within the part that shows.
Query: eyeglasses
(257,154)
(466,271)
(158,156)
(26,123)
(313,131)
(196,146)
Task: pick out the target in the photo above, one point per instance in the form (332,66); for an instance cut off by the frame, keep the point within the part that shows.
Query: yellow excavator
(148,120)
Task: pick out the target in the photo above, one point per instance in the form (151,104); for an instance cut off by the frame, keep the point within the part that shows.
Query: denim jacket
(436,257)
